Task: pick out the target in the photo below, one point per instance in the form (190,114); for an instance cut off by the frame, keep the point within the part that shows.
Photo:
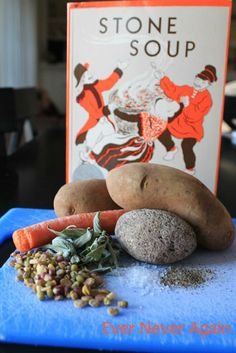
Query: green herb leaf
(96,223)
(83,239)
(100,268)
(89,247)
(96,254)
(74,259)
(63,246)
(113,254)
(69,232)
(105,254)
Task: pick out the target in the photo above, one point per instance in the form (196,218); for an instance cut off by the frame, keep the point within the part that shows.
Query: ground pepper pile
(185,277)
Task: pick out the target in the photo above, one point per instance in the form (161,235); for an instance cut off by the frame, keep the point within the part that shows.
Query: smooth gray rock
(155,236)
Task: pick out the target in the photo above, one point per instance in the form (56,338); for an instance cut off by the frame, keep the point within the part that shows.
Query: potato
(83,196)
(142,185)
(155,236)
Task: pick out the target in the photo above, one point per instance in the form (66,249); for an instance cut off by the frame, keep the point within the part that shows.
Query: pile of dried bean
(54,277)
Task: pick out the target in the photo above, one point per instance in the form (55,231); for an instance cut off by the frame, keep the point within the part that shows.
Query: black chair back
(230,111)
(8,120)
(27,102)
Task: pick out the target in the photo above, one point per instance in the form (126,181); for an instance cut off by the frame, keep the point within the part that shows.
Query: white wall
(18,43)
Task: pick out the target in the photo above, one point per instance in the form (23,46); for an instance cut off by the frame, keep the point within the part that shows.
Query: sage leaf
(69,232)
(74,259)
(91,248)
(105,254)
(83,239)
(95,254)
(64,246)
(100,268)
(96,223)
(113,255)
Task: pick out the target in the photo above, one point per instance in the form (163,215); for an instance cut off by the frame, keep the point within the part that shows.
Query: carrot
(38,234)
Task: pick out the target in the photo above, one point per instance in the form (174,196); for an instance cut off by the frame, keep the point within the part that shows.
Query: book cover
(145,83)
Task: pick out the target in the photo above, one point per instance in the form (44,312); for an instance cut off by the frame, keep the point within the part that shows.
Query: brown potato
(142,185)
(83,196)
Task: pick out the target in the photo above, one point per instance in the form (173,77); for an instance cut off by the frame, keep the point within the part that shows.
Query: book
(145,83)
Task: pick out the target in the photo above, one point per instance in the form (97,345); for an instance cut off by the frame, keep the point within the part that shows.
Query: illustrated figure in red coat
(188,125)
(90,95)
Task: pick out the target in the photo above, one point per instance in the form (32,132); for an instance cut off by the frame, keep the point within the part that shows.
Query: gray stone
(155,236)
(87,171)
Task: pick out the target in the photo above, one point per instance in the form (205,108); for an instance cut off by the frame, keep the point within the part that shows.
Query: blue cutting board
(24,319)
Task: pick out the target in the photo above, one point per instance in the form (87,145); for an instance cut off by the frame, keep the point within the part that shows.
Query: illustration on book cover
(139,117)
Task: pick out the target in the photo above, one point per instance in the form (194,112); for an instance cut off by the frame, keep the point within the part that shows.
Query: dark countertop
(40,167)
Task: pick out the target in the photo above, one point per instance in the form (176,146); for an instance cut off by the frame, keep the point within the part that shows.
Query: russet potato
(147,185)
(83,196)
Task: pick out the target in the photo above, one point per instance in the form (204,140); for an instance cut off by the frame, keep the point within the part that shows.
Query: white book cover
(145,83)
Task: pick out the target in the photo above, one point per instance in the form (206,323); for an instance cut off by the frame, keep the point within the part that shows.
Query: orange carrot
(38,234)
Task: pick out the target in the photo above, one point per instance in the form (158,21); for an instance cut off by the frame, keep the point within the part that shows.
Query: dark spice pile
(184,277)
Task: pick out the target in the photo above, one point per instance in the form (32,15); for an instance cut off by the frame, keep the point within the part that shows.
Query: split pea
(80,303)
(113,311)
(122,304)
